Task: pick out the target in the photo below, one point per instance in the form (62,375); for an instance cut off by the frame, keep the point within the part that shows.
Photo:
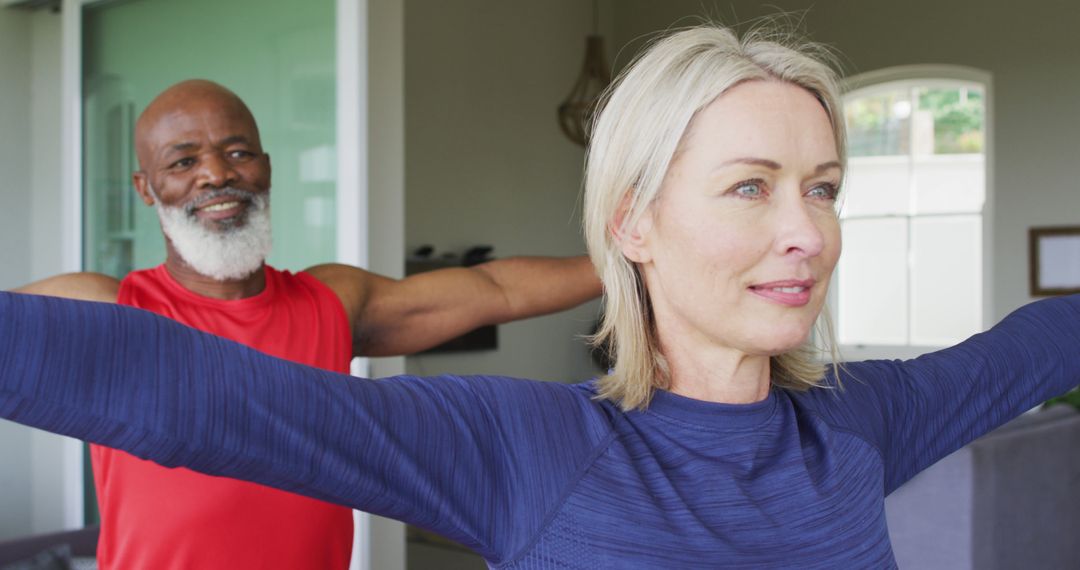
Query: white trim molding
(352,128)
(71,461)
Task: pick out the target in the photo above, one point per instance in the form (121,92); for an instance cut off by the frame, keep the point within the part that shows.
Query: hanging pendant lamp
(576,112)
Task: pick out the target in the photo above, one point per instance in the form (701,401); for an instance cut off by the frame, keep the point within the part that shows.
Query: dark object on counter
(423,259)
(476,255)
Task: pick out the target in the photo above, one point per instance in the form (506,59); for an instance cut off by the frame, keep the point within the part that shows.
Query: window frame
(887,79)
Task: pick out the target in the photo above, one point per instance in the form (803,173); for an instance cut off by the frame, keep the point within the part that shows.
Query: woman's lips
(791,293)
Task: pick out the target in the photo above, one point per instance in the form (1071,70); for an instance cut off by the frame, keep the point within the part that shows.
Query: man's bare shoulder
(351,284)
(81,286)
(332,271)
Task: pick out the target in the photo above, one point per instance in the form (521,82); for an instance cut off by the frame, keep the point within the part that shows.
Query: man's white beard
(233,252)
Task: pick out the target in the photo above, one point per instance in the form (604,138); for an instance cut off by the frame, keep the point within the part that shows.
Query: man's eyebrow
(234,139)
(187,146)
(180,147)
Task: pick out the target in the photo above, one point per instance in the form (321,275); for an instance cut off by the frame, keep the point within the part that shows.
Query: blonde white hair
(644,117)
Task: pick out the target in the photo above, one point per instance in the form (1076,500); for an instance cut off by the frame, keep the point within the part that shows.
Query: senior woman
(717,440)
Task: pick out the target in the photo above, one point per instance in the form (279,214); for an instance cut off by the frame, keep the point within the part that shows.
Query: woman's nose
(798,230)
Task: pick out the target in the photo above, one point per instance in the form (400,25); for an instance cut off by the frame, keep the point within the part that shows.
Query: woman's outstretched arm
(441,453)
(918,411)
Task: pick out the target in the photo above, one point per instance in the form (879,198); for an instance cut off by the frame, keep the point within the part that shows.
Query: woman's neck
(716,374)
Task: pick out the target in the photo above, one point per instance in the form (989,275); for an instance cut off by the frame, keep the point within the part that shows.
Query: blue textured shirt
(539,475)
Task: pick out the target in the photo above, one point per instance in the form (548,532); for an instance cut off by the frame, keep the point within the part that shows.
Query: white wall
(45,247)
(1032,54)
(47,450)
(15,66)
(486,162)
(29,147)
(30,473)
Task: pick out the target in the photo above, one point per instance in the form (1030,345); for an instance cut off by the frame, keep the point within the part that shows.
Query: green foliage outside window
(874,128)
(1070,398)
(879,125)
(958,119)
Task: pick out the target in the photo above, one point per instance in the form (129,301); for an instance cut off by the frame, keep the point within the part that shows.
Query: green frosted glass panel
(278,55)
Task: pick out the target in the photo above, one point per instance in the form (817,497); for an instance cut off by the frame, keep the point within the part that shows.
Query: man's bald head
(202,166)
(189,99)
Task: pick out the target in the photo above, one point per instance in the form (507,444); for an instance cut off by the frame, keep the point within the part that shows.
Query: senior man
(203,168)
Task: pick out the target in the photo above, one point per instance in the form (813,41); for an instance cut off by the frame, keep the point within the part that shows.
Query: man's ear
(269,170)
(632,235)
(142,186)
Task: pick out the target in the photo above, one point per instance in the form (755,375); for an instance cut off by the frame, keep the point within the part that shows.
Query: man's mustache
(228,192)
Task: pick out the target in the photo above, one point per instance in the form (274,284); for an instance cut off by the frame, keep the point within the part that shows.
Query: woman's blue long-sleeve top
(538,475)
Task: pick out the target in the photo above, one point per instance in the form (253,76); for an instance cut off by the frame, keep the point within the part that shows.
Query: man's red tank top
(160,518)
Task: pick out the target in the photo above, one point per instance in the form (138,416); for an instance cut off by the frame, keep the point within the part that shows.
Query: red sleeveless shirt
(161,518)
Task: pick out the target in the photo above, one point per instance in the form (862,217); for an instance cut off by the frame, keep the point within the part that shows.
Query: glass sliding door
(277,55)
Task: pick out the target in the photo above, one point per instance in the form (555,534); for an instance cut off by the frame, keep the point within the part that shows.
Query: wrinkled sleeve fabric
(918,411)
(480,460)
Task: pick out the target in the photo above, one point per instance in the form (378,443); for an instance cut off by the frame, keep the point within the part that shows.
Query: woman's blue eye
(748,189)
(827,191)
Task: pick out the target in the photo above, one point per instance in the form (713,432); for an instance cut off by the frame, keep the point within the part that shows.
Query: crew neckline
(713,415)
(253,302)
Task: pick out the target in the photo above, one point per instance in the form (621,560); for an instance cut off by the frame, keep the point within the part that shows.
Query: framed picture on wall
(1054,256)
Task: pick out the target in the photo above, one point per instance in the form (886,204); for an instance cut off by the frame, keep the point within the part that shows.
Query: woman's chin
(780,341)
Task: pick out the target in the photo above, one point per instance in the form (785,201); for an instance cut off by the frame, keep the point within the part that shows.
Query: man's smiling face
(203,168)
(199,150)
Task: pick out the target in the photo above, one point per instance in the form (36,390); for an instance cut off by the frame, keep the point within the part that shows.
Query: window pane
(872,282)
(916,151)
(946,278)
(876,186)
(285,73)
(950,184)
(878,124)
(956,117)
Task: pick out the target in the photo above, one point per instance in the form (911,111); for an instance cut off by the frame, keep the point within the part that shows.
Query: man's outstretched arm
(78,286)
(392,317)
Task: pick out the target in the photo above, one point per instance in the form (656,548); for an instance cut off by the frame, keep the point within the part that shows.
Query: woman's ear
(632,235)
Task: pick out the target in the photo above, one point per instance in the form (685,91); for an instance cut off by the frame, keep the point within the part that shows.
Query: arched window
(911,276)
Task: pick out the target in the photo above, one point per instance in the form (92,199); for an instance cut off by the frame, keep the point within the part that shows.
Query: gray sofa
(62,551)
(1010,499)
